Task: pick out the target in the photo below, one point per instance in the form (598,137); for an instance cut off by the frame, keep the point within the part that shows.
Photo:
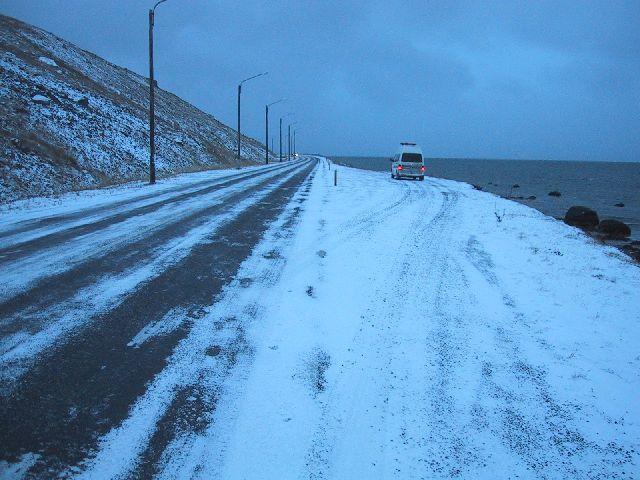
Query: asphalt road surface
(68,374)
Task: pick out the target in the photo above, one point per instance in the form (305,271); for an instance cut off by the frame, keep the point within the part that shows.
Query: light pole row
(152,119)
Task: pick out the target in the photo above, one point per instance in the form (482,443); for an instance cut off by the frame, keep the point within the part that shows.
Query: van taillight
(423,168)
(399,167)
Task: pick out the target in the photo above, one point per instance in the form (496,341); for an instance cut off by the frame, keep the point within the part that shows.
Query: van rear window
(411,157)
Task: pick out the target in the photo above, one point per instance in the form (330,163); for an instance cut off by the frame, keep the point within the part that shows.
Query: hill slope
(70,120)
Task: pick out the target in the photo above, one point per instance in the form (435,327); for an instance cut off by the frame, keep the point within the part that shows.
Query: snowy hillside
(71,120)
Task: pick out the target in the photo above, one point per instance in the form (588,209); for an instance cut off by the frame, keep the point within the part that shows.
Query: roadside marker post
(335,177)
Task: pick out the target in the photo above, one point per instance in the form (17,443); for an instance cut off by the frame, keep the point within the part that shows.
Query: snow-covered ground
(396,329)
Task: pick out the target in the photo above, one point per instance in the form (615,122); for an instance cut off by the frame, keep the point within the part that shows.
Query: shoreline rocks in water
(614,229)
(604,230)
(555,193)
(583,217)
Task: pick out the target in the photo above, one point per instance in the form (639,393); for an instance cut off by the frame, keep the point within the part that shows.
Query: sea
(597,185)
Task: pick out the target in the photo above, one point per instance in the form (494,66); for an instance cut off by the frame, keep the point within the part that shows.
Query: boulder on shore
(614,228)
(583,217)
(555,193)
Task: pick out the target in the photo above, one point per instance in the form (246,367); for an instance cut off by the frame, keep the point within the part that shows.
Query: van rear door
(412,163)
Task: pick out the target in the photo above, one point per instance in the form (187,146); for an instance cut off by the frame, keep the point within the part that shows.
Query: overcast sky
(533,79)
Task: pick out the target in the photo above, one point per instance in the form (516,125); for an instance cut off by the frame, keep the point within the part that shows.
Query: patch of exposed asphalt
(315,368)
(26,308)
(95,376)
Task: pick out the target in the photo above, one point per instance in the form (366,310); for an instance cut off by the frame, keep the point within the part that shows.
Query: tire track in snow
(533,425)
(326,457)
(86,387)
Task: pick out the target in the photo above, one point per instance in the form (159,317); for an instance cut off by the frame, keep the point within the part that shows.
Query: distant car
(408,162)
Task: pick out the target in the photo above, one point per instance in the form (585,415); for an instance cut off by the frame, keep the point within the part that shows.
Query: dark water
(598,185)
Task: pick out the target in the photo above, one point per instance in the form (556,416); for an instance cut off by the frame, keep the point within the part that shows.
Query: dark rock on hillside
(619,205)
(555,193)
(583,217)
(515,185)
(83,102)
(477,187)
(531,197)
(614,229)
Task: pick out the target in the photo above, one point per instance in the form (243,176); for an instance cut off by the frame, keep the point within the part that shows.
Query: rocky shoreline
(607,231)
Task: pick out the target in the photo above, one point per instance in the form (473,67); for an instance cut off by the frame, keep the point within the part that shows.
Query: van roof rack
(408,143)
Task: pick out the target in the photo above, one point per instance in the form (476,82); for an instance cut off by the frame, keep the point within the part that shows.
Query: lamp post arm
(250,78)
(158,3)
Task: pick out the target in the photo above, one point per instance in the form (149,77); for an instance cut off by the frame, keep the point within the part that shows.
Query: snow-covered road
(272,325)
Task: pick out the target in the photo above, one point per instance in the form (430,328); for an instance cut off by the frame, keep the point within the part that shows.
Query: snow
(40,99)
(49,61)
(397,329)
(19,469)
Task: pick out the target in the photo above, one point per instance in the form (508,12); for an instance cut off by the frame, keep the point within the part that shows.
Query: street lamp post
(289,141)
(281,139)
(240,93)
(266,128)
(294,142)
(152,116)
(281,134)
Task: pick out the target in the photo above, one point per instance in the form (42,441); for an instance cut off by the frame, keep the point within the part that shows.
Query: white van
(408,162)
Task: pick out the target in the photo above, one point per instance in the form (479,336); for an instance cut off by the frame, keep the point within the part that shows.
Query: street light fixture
(152,116)
(288,114)
(239,93)
(266,126)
